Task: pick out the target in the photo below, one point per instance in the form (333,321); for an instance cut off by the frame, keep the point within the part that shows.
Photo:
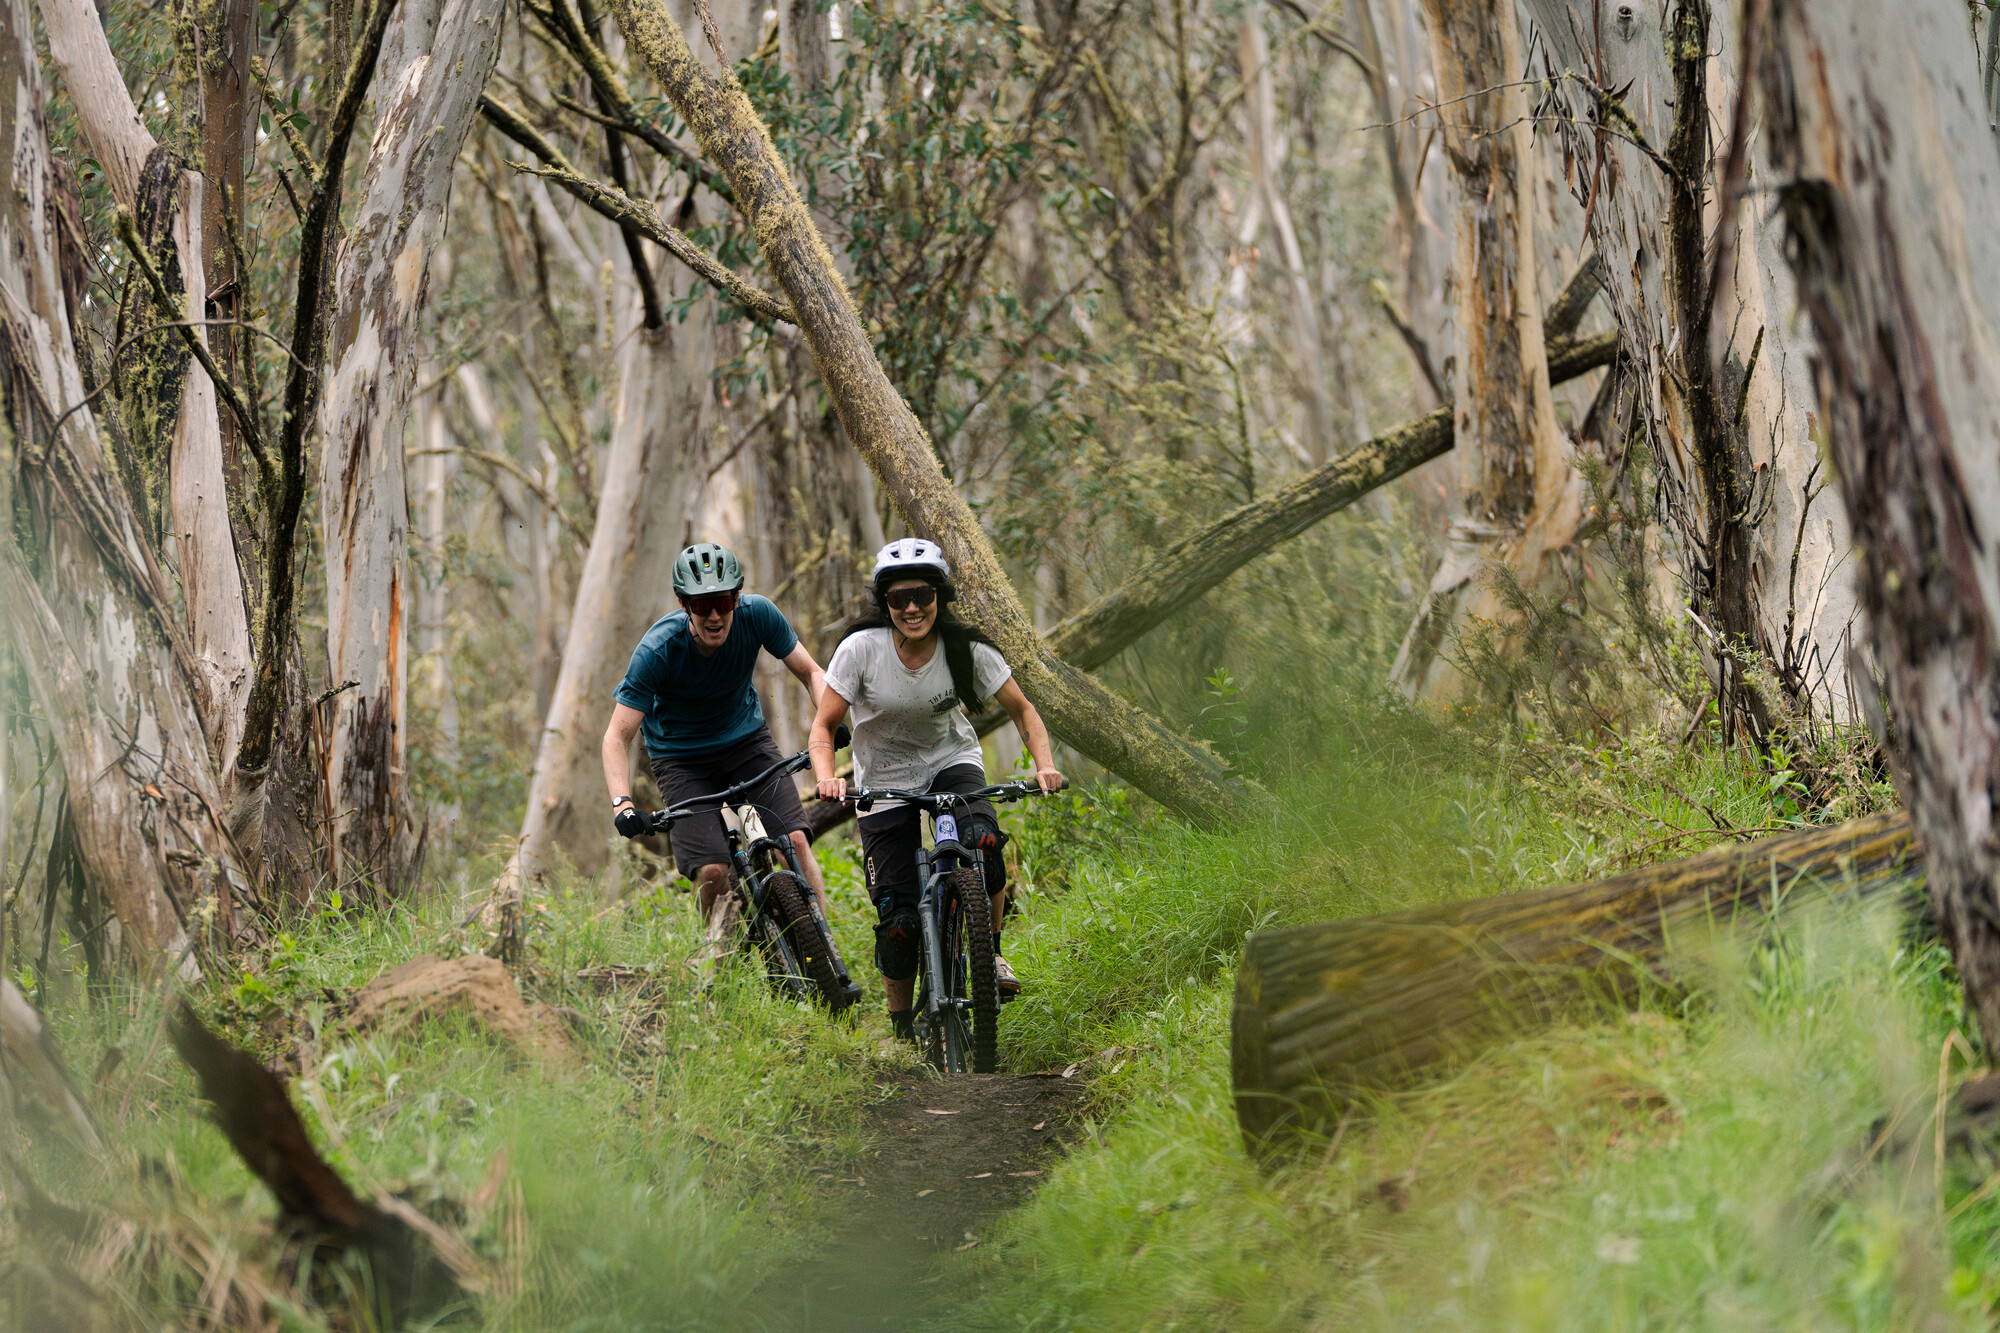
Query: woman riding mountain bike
(909,671)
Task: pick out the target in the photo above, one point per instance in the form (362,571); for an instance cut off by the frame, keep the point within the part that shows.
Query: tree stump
(1327,1012)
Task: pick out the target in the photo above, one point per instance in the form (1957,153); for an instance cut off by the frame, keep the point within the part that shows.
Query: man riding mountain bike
(909,672)
(689,689)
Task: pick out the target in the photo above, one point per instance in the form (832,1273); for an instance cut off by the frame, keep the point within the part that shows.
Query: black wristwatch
(623,800)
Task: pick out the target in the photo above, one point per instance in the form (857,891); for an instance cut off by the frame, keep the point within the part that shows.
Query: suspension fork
(928,908)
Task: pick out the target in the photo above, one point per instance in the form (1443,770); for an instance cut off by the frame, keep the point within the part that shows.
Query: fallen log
(1211,553)
(1328,1013)
(417,1270)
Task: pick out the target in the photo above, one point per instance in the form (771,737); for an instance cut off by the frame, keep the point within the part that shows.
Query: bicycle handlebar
(1017,790)
(661,820)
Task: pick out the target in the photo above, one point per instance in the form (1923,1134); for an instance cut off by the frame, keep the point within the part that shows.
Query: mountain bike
(768,889)
(958,996)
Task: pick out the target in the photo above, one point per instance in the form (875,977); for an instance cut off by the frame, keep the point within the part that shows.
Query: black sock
(996,942)
(904,1021)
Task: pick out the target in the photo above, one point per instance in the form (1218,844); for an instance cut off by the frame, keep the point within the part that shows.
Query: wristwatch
(623,800)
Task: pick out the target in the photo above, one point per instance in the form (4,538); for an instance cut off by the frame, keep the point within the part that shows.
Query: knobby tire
(785,902)
(976,941)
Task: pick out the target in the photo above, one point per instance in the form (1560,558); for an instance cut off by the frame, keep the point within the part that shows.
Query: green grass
(1707,1166)
(654,1179)
(1699,1167)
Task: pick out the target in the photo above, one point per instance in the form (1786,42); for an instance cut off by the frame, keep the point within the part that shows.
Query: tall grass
(649,1186)
(1763,1155)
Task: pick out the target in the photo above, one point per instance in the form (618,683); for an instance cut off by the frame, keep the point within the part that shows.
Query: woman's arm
(1033,734)
(819,743)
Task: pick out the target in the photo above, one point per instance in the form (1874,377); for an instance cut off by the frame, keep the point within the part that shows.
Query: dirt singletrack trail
(949,1156)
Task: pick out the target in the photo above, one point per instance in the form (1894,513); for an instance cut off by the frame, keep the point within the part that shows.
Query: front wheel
(810,965)
(969,958)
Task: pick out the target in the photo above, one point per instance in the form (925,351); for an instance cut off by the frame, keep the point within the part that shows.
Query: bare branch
(626,211)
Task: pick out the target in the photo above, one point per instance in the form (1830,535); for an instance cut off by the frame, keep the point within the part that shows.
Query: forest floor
(950,1157)
(1758,1149)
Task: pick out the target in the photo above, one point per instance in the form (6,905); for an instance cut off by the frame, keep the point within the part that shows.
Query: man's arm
(618,736)
(800,663)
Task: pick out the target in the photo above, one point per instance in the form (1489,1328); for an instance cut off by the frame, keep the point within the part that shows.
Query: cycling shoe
(1010,985)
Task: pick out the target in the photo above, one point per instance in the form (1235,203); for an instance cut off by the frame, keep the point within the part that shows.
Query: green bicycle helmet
(706,568)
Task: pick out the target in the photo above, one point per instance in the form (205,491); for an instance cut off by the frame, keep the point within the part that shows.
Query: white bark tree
(1520,495)
(1799,605)
(434,65)
(107,658)
(1889,178)
(1306,352)
(657,461)
(146,178)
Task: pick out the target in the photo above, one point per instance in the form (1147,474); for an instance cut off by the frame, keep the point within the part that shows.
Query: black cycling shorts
(700,839)
(890,841)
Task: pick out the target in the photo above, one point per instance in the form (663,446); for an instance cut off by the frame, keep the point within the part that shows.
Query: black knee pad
(898,939)
(984,833)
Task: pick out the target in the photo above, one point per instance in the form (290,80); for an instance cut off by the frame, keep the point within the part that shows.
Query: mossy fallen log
(1330,1012)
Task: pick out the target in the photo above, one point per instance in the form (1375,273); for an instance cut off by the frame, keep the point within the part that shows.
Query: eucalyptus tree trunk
(881,425)
(226,40)
(167,202)
(1521,497)
(658,455)
(1889,179)
(434,472)
(434,65)
(1774,562)
(1307,350)
(107,658)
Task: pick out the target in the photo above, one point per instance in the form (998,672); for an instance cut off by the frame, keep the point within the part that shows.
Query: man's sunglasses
(902,599)
(717,604)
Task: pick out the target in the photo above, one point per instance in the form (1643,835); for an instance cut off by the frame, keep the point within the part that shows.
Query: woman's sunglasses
(716,604)
(902,599)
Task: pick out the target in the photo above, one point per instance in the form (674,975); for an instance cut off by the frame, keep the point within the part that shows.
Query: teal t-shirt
(695,704)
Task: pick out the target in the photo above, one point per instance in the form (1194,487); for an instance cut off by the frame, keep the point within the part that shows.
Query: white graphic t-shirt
(908,725)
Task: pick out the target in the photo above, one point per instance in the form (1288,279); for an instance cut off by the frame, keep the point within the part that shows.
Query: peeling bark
(1522,498)
(1792,539)
(203,543)
(1889,182)
(434,64)
(881,425)
(89,609)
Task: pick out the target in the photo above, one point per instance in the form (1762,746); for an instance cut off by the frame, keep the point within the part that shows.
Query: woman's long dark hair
(957,637)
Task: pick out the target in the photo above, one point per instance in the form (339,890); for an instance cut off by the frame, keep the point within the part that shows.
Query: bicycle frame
(944,1009)
(747,839)
(934,864)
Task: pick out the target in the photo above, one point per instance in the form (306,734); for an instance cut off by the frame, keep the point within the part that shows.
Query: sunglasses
(717,604)
(904,598)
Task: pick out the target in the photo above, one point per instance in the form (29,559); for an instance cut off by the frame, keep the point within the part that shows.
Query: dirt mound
(951,1155)
(482,986)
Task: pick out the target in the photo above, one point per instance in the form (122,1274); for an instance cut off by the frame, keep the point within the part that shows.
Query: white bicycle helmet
(913,558)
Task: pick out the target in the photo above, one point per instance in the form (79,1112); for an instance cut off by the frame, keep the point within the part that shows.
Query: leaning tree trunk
(167,202)
(1522,498)
(881,425)
(657,455)
(435,61)
(1328,1014)
(1889,180)
(105,653)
